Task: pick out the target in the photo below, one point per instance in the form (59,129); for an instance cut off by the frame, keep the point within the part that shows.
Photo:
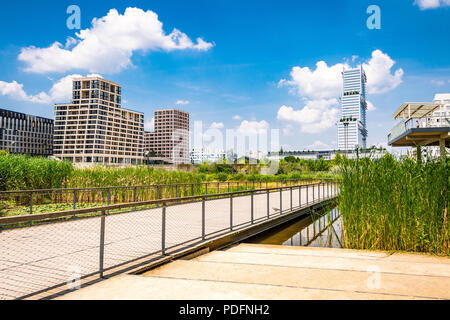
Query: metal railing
(27,201)
(96,242)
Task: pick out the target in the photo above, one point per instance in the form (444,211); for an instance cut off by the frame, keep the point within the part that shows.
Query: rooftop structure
(422,124)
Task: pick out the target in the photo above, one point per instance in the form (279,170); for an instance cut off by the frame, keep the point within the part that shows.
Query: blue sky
(246,49)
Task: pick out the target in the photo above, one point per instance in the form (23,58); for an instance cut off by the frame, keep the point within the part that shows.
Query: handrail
(103,209)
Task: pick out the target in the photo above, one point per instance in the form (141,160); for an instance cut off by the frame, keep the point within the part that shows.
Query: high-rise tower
(352,129)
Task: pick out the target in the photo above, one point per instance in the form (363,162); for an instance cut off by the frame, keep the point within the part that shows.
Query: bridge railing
(22,202)
(58,249)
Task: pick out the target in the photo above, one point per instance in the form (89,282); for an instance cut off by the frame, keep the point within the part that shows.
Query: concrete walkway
(35,258)
(250,271)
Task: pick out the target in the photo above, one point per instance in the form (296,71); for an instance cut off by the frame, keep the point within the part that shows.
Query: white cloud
(322,83)
(150,125)
(182,102)
(378,72)
(325,81)
(108,46)
(314,117)
(370,106)
(288,130)
(237,117)
(438,83)
(253,127)
(431,4)
(319,89)
(60,92)
(217,125)
(318,145)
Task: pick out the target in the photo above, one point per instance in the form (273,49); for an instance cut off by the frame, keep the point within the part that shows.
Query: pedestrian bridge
(61,251)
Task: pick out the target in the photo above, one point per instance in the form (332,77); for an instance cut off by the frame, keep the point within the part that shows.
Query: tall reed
(391,205)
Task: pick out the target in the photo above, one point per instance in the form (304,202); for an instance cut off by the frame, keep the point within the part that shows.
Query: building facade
(22,133)
(170,140)
(441,118)
(352,128)
(200,155)
(94,128)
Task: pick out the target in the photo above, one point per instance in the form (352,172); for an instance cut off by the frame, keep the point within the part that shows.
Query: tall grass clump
(22,172)
(391,205)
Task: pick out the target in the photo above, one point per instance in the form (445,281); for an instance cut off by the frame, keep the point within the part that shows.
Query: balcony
(420,125)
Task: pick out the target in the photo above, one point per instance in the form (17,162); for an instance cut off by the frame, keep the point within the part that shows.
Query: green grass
(391,205)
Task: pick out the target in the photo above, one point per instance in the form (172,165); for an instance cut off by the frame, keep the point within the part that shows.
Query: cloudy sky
(247,65)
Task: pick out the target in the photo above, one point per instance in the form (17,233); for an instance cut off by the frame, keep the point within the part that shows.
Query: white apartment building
(170,140)
(352,129)
(94,128)
(441,118)
(200,155)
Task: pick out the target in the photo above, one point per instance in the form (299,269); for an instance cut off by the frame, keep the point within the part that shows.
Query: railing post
(203,219)
(291,196)
(135,196)
(231,212)
(268,210)
(108,200)
(74,199)
(31,206)
(318,191)
(218,187)
(206,188)
(251,207)
(31,202)
(192,189)
(163,230)
(281,200)
(299,196)
(228,187)
(307,194)
(176,191)
(102,242)
(314,193)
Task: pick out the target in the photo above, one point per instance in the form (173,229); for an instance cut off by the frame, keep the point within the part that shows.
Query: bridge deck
(35,258)
(250,271)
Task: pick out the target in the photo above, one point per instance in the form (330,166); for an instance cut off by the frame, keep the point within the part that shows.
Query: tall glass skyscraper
(352,130)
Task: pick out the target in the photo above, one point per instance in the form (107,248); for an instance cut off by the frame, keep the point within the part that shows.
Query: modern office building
(352,129)
(22,133)
(170,140)
(94,128)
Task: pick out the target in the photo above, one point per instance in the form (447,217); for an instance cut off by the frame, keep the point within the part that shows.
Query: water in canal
(319,230)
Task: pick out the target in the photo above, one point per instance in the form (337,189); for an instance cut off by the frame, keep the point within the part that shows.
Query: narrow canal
(322,229)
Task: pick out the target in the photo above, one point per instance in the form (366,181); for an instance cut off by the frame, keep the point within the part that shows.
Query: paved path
(250,271)
(36,258)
